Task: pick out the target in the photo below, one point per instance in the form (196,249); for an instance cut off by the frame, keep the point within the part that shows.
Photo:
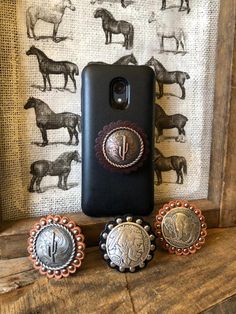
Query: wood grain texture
(227,306)
(14,234)
(170,284)
(224,61)
(228,205)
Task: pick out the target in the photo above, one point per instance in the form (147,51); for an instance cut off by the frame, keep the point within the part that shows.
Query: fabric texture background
(83,41)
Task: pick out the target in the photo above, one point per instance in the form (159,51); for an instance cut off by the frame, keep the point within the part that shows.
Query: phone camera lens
(119,87)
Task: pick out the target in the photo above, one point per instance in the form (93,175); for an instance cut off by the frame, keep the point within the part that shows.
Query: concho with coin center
(121,146)
(56,246)
(127,243)
(180,227)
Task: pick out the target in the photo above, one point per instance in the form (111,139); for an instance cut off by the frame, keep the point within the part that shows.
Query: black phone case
(106,193)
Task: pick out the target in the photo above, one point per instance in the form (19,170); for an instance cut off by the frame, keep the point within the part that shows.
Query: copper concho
(121,146)
(181,227)
(56,246)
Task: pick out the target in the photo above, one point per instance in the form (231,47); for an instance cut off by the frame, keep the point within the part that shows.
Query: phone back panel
(106,193)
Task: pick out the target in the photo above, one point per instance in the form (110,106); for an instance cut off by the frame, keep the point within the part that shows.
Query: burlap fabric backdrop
(82,40)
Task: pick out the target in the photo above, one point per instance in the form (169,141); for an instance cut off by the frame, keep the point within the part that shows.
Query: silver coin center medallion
(128,245)
(54,247)
(123,147)
(181,227)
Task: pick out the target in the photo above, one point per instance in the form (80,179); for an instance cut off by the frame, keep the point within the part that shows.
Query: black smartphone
(117,140)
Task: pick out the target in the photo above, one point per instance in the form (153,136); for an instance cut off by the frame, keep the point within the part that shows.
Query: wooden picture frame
(220,206)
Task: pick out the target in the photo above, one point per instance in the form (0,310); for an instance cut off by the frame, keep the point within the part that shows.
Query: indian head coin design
(181,227)
(127,243)
(121,146)
(56,246)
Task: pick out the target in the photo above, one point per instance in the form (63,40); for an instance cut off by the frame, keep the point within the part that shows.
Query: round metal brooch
(127,243)
(180,227)
(56,246)
(121,146)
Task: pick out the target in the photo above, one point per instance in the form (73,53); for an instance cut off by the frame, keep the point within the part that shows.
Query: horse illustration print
(125,60)
(181,7)
(172,32)
(61,167)
(46,119)
(50,13)
(165,77)
(48,66)
(176,163)
(111,26)
(164,121)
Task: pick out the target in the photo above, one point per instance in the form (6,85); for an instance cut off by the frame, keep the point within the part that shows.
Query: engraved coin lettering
(123,147)
(128,245)
(181,227)
(54,247)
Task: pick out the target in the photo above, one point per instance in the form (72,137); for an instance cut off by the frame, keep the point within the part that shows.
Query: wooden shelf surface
(204,282)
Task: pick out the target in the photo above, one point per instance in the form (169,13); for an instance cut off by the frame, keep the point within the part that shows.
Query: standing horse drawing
(61,167)
(125,60)
(46,119)
(163,32)
(164,121)
(176,163)
(48,66)
(111,26)
(50,13)
(165,77)
(181,8)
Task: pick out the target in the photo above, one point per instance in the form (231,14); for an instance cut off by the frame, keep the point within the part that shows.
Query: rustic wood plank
(228,206)
(224,61)
(14,234)
(94,289)
(227,306)
(169,284)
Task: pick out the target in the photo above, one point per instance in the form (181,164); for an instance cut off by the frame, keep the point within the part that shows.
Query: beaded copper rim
(180,227)
(136,155)
(56,246)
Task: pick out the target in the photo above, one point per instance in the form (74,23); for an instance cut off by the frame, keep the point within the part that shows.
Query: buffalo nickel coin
(180,227)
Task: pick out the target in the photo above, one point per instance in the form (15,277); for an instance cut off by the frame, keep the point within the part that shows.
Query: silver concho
(181,227)
(54,247)
(123,147)
(128,243)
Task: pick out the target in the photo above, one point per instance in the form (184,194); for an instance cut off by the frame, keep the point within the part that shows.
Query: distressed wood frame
(220,206)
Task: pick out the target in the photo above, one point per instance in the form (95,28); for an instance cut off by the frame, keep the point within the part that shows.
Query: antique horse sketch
(165,77)
(164,121)
(125,60)
(61,167)
(181,8)
(46,119)
(48,66)
(176,163)
(50,13)
(111,26)
(163,31)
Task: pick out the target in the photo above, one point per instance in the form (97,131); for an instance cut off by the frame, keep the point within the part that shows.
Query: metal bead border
(119,220)
(172,249)
(79,246)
